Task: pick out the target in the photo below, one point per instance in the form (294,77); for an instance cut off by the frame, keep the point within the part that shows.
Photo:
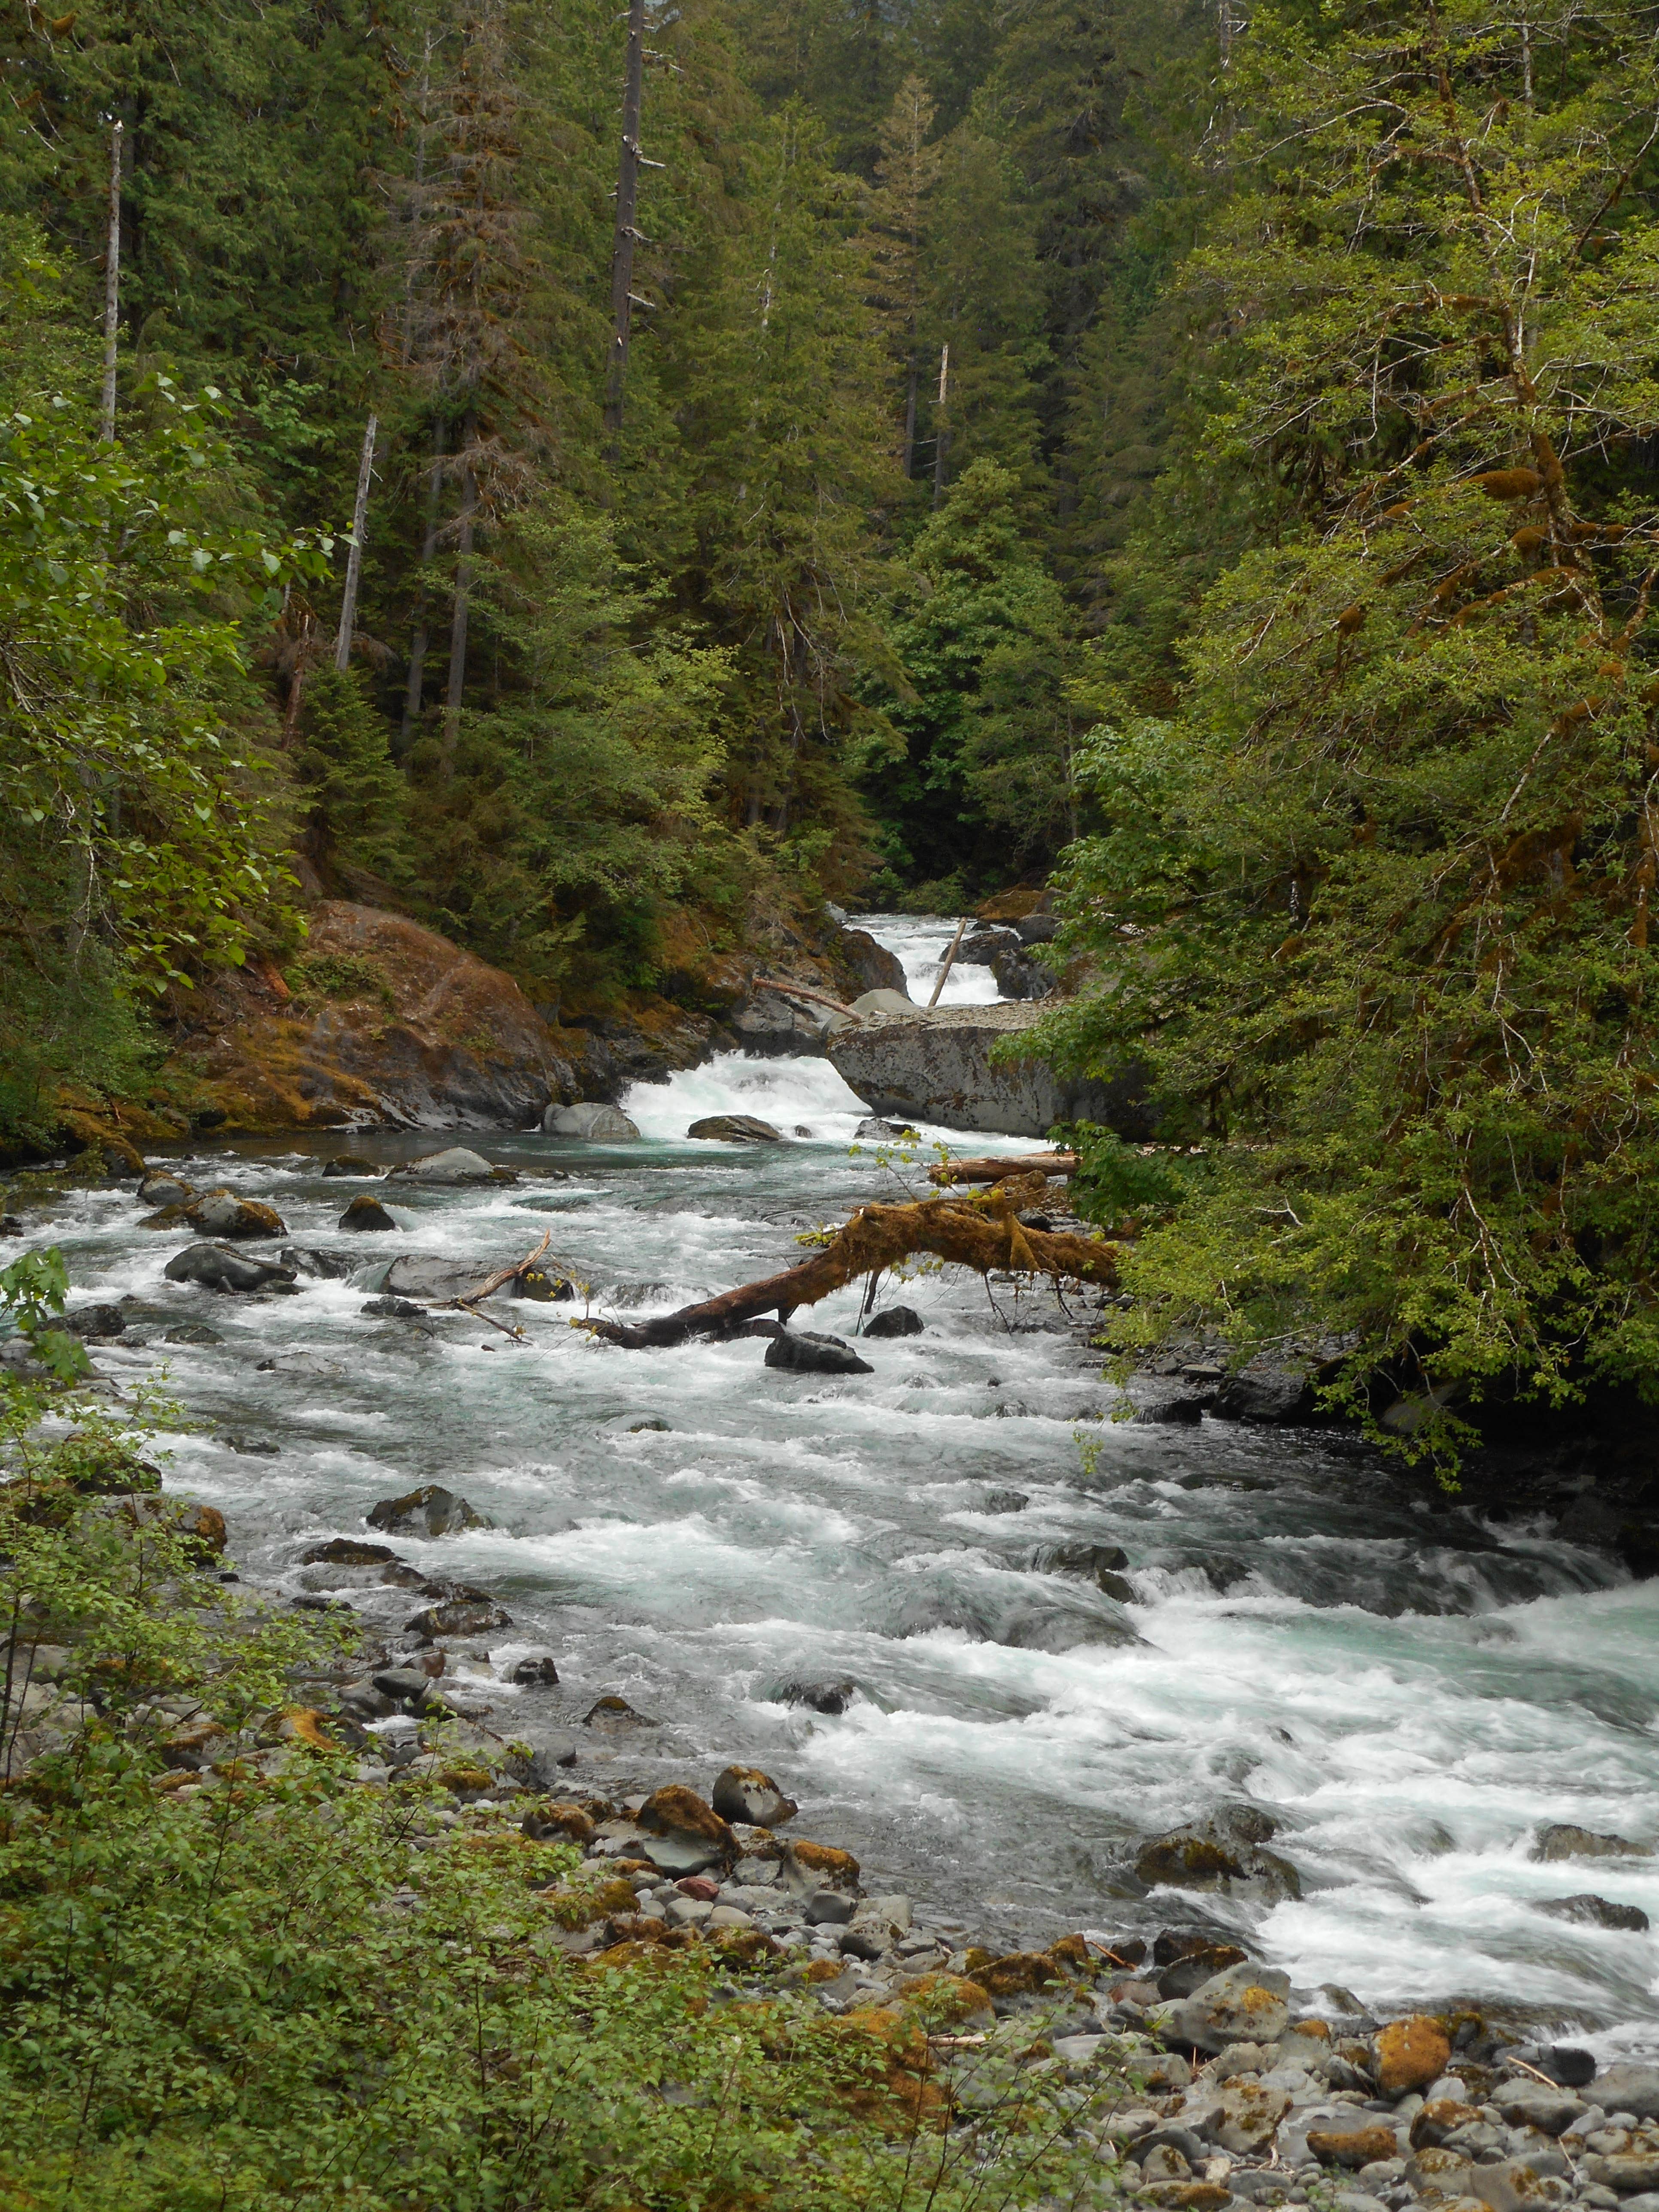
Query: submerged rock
(802,1353)
(393,1309)
(91,1322)
(453,1166)
(735,1129)
(365,1212)
(591,1122)
(1561,1840)
(218,1268)
(820,1697)
(431,1511)
(613,1712)
(311,1259)
(1595,1911)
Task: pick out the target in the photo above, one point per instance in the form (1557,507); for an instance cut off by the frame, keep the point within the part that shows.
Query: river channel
(1410,1693)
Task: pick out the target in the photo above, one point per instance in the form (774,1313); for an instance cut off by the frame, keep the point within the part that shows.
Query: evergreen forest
(559,468)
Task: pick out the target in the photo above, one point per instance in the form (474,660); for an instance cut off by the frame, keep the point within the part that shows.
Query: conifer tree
(907,170)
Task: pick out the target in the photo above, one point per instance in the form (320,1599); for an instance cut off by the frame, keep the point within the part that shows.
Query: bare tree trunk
(417,643)
(458,621)
(355,558)
(628,197)
(942,439)
(112,288)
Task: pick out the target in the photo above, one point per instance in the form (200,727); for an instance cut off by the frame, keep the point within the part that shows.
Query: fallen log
(996,1170)
(800,991)
(981,1231)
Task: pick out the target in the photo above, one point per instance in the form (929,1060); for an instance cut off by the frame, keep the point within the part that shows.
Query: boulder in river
(1225,1853)
(802,1352)
(220,1267)
(1561,1840)
(222,1212)
(895,1321)
(459,1616)
(536,1670)
(159,1188)
(90,1322)
(820,1697)
(934,1064)
(872,1129)
(590,1123)
(980,946)
(1018,976)
(365,1212)
(1593,1911)
(393,1309)
(875,968)
(355,1164)
(745,1794)
(428,1275)
(735,1129)
(348,1552)
(454,1166)
(777,1026)
(431,1511)
(311,1259)
(1005,1501)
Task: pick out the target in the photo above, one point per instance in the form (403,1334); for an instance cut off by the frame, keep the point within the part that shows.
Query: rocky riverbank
(1195,2076)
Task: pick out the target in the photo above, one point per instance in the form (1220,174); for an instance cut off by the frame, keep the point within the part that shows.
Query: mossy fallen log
(981,1232)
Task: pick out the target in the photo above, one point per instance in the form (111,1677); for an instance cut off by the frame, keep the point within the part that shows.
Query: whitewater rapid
(1409,1692)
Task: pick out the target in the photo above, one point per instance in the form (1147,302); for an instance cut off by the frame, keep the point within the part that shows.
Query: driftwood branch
(800,991)
(490,1284)
(981,1231)
(997,1170)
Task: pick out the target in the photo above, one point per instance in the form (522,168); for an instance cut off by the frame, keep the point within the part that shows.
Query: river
(1410,1693)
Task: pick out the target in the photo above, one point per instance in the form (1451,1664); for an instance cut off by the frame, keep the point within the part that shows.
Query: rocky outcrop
(935,1065)
(377,1020)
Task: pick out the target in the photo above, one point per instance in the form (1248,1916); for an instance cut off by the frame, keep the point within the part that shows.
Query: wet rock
(980,946)
(430,1510)
(895,1321)
(1410,2054)
(1629,2087)
(1595,1911)
(425,1275)
(458,1617)
(357,1165)
(1267,1397)
(822,1697)
(192,1331)
(590,1123)
(311,1259)
(251,1446)
(1171,1412)
(393,1309)
(1220,1853)
(875,968)
(745,1794)
(1561,1840)
(614,1713)
(218,1268)
(365,1212)
(1005,1501)
(159,1188)
(1244,2004)
(1101,1563)
(641,1428)
(91,1323)
(802,1352)
(347,1552)
(537,1670)
(405,1685)
(454,1166)
(735,1129)
(222,1213)
(873,1130)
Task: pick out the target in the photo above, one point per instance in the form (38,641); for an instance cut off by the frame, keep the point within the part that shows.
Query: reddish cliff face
(385,1022)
